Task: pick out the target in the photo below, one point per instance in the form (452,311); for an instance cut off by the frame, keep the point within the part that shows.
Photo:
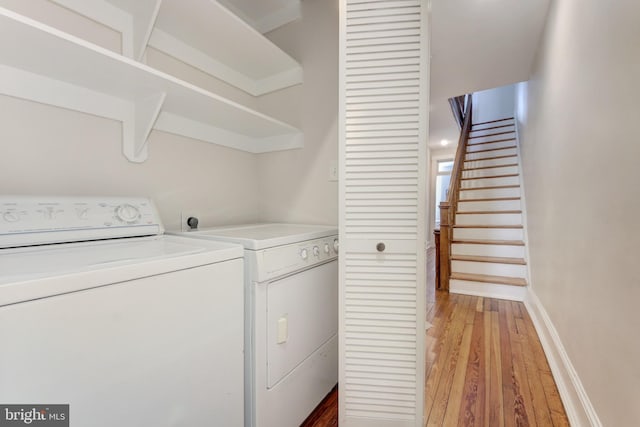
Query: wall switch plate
(333,170)
(184,216)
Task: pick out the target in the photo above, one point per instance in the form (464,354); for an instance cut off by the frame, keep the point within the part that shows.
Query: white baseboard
(579,409)
(487,290)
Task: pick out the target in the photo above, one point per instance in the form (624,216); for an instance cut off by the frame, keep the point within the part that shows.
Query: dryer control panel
(282,260)
(31,220)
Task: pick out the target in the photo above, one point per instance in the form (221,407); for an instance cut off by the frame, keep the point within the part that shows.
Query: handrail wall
(449,207)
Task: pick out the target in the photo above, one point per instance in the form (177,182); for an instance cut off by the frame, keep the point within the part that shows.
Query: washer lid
(37,272)
(263,236)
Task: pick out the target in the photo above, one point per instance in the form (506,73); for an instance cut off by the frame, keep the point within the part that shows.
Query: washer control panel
(30,220)
(281,260)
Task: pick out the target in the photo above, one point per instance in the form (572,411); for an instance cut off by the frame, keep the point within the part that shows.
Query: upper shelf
(70,72)
(202,33)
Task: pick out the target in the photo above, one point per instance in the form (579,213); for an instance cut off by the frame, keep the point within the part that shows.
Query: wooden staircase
(481,223)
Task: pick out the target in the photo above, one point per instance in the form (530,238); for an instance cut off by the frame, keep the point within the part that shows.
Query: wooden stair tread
(489,188)
(489,199)
(493,259)
(490,142)
(486,226)
(492,158)
(488,212)
(485,278)
(492,121)
(488,242)
(492,134)
(493,127)
(508,175)
(491,167)
(492,149)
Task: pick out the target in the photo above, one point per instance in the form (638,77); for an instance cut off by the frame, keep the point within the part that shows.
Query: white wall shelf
(46,65)
(202,33)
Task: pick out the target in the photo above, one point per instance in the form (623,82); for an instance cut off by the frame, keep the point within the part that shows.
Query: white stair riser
(489,219)
(477,173)
(489,268)
(490,182)
(490,290)
(490,205)
(490,125)
(485,154)
(509,251)
(488,233)
(482,132)
(490,146)
(490,193)
(491,137)
(490,162)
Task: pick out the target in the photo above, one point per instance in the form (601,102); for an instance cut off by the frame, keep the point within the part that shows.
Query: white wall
(294,185)
(493,104)
(52,151)
(579,138)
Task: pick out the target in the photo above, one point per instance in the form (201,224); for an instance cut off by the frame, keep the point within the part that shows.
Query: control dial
(336,245)
(316,251)
(11,217)
(304,254)
(127,213)
(326,248)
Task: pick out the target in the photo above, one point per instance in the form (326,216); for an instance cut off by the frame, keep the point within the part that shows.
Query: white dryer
(291,317)
(101,311)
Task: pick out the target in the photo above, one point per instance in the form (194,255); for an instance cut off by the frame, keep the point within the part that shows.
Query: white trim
(576,402)
(487,290)
(523,202)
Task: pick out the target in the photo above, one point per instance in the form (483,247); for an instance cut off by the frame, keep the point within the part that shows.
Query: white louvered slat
(382,173)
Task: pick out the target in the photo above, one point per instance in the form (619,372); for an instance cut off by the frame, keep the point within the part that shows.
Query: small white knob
(336,245)
(127,213)
(11,217)
(326,248)
(316,251)
(304,254)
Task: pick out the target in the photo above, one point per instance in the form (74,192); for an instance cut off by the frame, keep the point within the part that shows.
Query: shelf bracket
(144,18)
(137,127)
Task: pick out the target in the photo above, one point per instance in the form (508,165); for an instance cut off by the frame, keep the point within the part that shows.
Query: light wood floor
(485,366)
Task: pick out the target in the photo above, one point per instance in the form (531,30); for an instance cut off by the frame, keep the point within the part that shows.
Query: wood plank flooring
(484,363)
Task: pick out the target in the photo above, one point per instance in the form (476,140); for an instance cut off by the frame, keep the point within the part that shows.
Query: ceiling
(477,45)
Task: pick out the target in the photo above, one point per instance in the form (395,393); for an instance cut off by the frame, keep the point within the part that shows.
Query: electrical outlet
(333,170)
(184,217)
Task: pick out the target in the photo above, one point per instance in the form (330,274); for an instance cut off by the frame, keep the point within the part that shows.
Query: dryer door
(302,314)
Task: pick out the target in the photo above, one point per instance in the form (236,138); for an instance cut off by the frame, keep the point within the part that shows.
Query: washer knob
(127,213)
(336,245)
(316,251)
(11,217)
(304,254)
(326,248)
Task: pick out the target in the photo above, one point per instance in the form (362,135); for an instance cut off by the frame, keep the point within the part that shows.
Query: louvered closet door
(383,136)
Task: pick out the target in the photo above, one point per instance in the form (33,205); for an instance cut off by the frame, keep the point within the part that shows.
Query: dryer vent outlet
(188,220)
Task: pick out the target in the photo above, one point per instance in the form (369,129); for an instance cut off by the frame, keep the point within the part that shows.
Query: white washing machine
(101,311)
(291,318)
